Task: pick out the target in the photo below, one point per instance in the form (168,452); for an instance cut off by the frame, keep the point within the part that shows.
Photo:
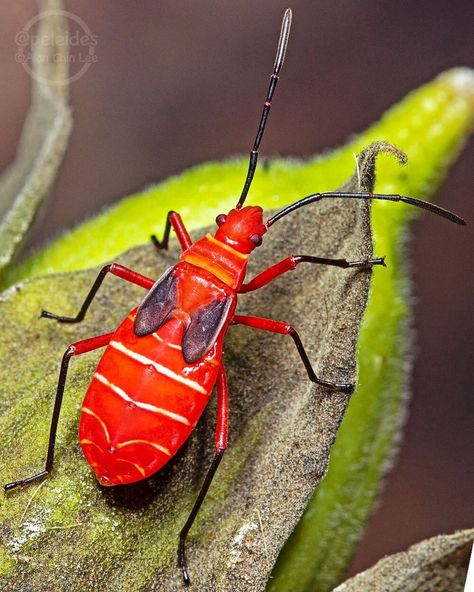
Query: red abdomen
(143,402)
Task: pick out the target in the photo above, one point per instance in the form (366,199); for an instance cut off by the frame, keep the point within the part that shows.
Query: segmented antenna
(419,203)
(280,56)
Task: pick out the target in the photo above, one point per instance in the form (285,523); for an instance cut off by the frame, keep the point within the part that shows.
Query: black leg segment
(173,219)
(192,516)
(221,445)
(286,329)
(114,268)
(163,243)
(345,388)
(361,263)
(74,349)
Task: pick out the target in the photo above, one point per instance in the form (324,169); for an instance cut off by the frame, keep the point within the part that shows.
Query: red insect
(161,364)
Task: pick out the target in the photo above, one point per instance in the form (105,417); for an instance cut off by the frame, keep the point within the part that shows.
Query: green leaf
(439,563)
(413,125)
(25,184)
(430,125)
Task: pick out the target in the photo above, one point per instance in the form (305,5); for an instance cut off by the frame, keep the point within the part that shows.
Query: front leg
(173,219)
(265,277)
(286,329)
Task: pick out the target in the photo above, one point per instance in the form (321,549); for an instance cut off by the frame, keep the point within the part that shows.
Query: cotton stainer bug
(161,364)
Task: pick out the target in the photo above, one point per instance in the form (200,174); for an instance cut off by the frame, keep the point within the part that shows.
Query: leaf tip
(461,80)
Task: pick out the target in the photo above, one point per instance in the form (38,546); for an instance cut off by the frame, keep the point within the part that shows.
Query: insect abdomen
(143,402)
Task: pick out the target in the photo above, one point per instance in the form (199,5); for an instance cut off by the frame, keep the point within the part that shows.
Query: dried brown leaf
(281,425)
(438,564)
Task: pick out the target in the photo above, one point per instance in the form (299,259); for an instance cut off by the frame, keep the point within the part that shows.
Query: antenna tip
(283,41)
(286,23)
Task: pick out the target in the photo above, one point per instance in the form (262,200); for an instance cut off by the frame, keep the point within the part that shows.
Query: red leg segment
(268,275)
(80,347)
(222,427)
(129,275)
(221,445)
(286,329)
(173,219)
(120,271)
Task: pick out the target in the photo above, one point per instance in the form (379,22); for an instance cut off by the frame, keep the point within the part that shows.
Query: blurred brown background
(178,83)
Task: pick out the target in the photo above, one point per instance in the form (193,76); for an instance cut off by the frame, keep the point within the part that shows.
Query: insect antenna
(419,203)
(280,56)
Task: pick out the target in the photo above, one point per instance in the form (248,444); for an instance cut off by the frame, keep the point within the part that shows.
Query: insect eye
(256,239)
(221,218)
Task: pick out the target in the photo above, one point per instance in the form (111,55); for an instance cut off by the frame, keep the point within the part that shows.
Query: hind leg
(80,347)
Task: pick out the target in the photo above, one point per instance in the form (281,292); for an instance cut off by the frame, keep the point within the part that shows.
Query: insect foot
(22,483)
(335,386)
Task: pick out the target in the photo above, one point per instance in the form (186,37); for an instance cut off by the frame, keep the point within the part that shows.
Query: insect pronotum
(169,348)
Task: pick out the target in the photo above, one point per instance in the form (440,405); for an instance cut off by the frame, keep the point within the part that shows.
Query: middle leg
(114,268)
(286,329)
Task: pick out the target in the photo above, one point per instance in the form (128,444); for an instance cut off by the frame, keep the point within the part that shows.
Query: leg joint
(108,268)
(293,332)
(71,350)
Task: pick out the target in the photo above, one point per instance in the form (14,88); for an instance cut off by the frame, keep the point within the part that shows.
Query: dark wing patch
(203,329)
(153,312)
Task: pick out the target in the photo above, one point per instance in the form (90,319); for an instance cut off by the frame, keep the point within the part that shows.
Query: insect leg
(80,347)
(288,264)
(120,271)
(173,219)
(286,329)
(221,445)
